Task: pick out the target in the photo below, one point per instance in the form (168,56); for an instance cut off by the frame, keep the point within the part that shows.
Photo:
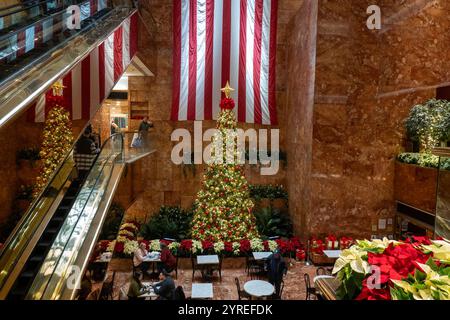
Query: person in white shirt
(139,256)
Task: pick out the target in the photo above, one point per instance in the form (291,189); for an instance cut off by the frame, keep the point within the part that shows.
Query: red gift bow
(227,104)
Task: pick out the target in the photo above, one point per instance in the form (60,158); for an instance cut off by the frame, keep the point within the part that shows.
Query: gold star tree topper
(58,88)
(227,90)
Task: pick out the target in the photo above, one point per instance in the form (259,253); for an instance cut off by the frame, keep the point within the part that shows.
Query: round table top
(259,288)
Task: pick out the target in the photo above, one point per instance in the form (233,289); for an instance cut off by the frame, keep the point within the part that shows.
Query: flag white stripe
(184,79)
(126,43)
(217,54)
(201,63)
(250,98)
(234,56)
(265,62)
(95,81)
(29,39)
(40,108)
(76,92)
(109,64)
(47,30)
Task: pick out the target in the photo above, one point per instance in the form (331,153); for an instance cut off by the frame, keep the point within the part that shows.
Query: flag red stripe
(21,43)
(133,34)
(242,63)
(118,53)
(93,5)
(86,88)
(272,62)
(176,59)
(67,83)
(31,113)
(209,59)
(192,60)
(37,34)
(226,42)
(257,61)
(101,71)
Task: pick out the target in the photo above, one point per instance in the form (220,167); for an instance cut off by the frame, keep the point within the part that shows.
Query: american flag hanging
(217,41)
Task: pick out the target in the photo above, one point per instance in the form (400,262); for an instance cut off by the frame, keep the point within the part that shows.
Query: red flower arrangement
(245,246)
(186,245)
(207,245)
(227,104)
(119,247)
(317,246)
(300,255)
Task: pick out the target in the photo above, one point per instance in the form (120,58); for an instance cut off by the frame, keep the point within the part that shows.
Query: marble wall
(366,83)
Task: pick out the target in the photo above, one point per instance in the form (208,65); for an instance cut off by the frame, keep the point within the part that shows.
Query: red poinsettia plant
(227,104)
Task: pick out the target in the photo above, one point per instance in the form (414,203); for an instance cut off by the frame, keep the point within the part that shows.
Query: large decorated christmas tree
(223,206)
(57,137)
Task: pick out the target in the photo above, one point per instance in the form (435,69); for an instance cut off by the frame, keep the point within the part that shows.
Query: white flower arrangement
(196,246)
(174,246)
(122,239)
(257,245)
(130,247)
(155,245)
(219,247)
(236,248)
(124,232)
(273,245)
(129,225)
(111,246)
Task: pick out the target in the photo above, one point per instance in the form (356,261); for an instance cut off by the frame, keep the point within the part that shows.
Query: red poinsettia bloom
(227,104)
(245,246)
(119,247)
(207,245)
(186,245)
(228,246)
(373,294)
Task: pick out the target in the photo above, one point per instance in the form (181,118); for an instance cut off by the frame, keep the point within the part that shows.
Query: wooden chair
(219,268)
(178,294)
(241,293)
(108,289)
(310,291)
(194,266)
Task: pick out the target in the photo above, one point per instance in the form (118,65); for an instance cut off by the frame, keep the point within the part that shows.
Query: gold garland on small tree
(57,138)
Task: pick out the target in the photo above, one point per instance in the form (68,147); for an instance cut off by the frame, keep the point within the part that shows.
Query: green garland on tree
(224,210)
(57,141)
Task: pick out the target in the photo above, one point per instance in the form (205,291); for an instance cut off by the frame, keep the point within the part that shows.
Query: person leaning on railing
(84,154)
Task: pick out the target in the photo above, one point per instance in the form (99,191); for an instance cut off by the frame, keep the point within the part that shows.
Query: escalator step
(37,258)
(27,274)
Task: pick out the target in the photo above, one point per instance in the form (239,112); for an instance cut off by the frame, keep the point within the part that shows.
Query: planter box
(416,186)
(321,260)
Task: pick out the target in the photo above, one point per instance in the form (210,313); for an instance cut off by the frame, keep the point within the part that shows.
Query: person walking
(85,154)
(143,131)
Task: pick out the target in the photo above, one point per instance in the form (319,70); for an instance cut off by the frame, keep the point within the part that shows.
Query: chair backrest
(238,287)
(307,281)
(281,290)
(178,293)
(93,295)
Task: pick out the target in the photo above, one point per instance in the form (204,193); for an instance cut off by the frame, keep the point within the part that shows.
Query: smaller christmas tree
(57,138)
(224,210)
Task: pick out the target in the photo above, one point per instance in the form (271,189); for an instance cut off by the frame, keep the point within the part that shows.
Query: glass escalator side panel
(54,274)
(15,248)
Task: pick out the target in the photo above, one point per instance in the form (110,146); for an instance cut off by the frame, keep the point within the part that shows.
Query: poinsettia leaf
(432,265)
(419,275)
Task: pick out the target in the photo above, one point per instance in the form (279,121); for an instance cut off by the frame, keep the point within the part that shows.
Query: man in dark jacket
(168,261)
(165,288)
(84,155)
(276,269)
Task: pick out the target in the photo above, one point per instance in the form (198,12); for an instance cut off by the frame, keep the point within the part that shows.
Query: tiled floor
(226,289)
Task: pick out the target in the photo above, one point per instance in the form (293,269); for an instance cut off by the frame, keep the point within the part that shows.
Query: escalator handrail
(21,29)
(108,160)
(23,7)
(48,54)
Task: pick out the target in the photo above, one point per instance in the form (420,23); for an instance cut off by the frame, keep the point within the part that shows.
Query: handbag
(137,141)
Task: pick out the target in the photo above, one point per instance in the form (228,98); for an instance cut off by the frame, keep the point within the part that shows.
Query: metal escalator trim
(89,243)
(67,236)
(27,233)
(16,96)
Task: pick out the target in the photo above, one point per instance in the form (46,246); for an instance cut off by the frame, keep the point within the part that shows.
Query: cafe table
(147,291)
(207,263)
(202,291)
(258,256)
(259,289)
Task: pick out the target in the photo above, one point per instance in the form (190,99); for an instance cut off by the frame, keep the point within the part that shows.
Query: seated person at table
(168,261)
(139,256)
(276,269)
(165,288)
(135,288)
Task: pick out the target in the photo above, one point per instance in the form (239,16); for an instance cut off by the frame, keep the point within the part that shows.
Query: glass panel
(55,270)
(32,219)
(137,145)
(443,200)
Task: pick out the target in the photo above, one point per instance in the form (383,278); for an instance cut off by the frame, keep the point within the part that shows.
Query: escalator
(49,250)
(38,45)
